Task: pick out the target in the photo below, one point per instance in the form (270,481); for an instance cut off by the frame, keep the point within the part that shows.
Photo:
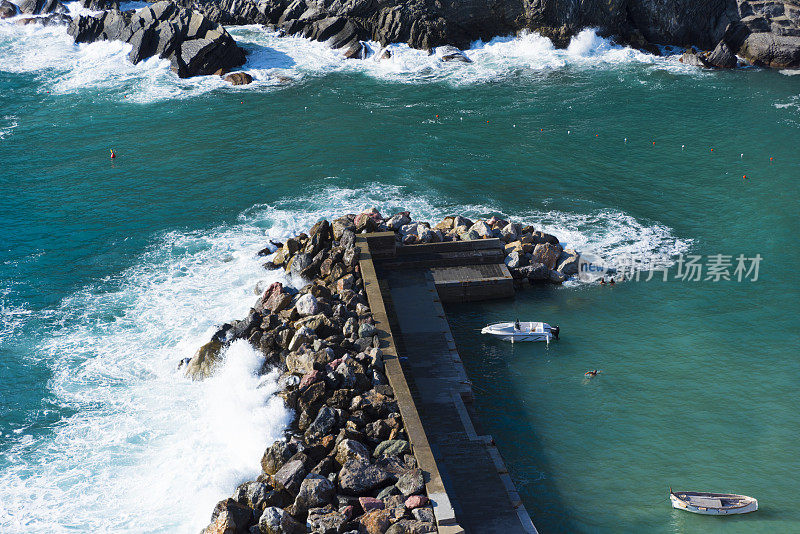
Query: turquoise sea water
(111,271)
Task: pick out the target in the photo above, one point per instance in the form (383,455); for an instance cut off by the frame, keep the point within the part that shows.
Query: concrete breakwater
(383,440)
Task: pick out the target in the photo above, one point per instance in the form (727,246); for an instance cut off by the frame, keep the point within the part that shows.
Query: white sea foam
(792,103)
(64,67)
(147,450)
(7,126)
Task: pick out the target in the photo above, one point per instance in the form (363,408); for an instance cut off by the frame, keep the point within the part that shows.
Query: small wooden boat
(712,503)
(517,331)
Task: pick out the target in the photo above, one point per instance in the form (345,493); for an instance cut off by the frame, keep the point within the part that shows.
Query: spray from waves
(66,68)
(8,126)
(611,234)
(500,58)
(147,450)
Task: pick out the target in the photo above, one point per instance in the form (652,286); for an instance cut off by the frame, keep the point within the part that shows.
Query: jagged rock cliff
(767,32)
(193,43)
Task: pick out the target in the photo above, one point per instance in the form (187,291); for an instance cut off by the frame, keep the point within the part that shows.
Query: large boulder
(238,78)
(358,477)
(99,5)
(194,44)
(722,57)
(42,7)
(290,476)
(229,517)
(7,9)
(205,359)
(315,491)
(276,521)
(546,253)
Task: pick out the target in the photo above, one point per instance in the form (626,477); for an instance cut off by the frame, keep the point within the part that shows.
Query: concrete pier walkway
(467,480)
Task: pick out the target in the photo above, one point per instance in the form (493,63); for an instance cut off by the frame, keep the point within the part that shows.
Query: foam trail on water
(150,451)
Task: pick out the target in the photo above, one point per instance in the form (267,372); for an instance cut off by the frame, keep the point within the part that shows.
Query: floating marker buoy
(712,150)
(626,139)
(682,146)
(741,155)
(112,153)
(514,125)
(770,159)
(654,143)
(744,177)
(242,102)
(437,116)
(597,135)
(567,132)
(487,122)
(462,119)
(541,129)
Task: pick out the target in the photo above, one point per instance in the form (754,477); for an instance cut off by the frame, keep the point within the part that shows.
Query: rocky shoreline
(345,465)
(191,35)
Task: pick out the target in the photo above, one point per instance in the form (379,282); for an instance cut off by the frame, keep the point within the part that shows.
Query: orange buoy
(712,150)
(744,177)
(654,143)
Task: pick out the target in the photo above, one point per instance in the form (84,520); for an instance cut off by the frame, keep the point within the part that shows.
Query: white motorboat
(712,503)
(518,331)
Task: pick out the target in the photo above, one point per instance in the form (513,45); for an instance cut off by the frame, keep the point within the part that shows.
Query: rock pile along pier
(383,439)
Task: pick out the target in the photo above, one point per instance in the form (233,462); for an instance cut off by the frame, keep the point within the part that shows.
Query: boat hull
(527,333)
(679,504)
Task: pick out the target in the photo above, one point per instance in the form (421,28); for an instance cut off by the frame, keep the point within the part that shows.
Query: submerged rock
(238,78)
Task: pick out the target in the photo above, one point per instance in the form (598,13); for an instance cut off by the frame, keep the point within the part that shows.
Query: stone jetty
(347,463)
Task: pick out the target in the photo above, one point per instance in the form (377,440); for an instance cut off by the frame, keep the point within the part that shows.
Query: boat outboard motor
(555,330)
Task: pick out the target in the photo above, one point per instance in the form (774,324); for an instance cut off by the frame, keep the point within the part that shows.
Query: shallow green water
(699,379)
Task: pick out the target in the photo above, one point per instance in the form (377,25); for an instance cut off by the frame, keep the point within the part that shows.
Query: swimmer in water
(591,374)
(113,155)
(611,282)
(602,281)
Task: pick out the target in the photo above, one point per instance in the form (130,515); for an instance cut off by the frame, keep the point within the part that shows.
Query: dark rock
(290,476)
(324,422)
(42,7)
(408,526)
(7,9)
(238,78)
(534,272)
(194,44)
(325,521)
(722,57)
(693,59)
(276,455)
(99,5)
(276,521)
(53,19)
(451,53)
(229,517)
(392,447)
(256,495)
(358,477)
(411,483)
(315,491)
